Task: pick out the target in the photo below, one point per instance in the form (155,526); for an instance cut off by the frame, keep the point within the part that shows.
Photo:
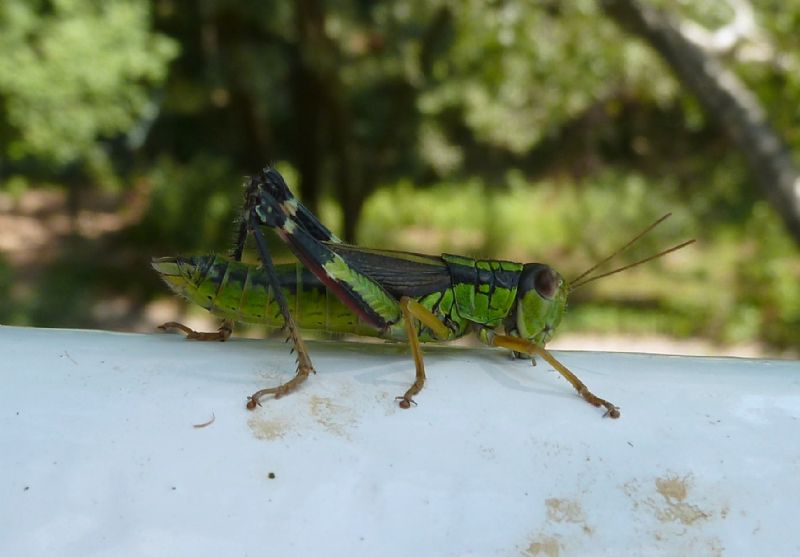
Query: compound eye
(546,283)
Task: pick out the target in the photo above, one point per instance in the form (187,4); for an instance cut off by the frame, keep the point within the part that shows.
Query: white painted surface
(99,456)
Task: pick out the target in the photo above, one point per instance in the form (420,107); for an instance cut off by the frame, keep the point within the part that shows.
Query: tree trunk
(726,99)
(349,173)
(307,94)
(322,115)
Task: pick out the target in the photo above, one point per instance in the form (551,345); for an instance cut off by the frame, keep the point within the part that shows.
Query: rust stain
(564,510)
(268,430)
(547,546)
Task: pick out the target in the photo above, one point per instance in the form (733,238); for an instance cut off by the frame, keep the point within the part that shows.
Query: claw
(405,402)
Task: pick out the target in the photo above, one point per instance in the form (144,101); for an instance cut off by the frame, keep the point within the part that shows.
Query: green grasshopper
(395,295)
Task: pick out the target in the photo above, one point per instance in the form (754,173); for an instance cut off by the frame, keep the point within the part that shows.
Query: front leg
(222,334)
(522,345)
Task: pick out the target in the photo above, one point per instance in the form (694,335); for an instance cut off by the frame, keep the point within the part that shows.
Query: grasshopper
(395,295)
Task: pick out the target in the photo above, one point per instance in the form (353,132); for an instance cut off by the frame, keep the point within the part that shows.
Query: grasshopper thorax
(540,303)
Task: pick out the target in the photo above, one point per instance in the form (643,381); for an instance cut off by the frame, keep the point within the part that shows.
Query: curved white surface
(99,456)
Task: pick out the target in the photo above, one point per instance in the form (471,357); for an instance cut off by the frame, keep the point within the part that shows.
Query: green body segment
(241,292)
(485,290)
(369,291)
(482,295)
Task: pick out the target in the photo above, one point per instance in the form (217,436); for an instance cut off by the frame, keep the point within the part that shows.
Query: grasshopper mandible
(374,292)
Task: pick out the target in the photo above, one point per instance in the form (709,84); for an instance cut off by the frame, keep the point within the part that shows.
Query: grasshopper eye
(546,283)
(540,278)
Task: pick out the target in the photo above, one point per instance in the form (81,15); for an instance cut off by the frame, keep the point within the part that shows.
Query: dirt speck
(715,547)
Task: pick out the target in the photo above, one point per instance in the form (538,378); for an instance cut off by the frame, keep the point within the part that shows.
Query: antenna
(626,267)
(623,248)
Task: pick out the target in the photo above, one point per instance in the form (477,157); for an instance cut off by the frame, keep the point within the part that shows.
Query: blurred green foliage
(525,130)
(737,284)
(75,71)
(188,207)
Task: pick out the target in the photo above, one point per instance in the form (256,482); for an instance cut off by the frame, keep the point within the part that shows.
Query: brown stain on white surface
(269,429)
(674,490)
(681,514)
(561,511)
(547,546)
(564,510)
(335,418)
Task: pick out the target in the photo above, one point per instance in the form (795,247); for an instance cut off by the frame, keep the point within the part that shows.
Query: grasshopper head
(542,292)
(541,300)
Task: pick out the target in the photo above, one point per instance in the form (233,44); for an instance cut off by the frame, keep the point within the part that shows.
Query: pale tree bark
(724,97)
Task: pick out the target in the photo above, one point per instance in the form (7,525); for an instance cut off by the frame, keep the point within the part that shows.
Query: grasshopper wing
(400,273)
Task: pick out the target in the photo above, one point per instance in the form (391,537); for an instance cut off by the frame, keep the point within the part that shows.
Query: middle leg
(414,312)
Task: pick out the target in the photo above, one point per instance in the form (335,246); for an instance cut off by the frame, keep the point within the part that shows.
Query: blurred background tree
(548,131)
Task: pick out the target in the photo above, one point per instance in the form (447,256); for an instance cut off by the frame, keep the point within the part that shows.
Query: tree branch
(726,99)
